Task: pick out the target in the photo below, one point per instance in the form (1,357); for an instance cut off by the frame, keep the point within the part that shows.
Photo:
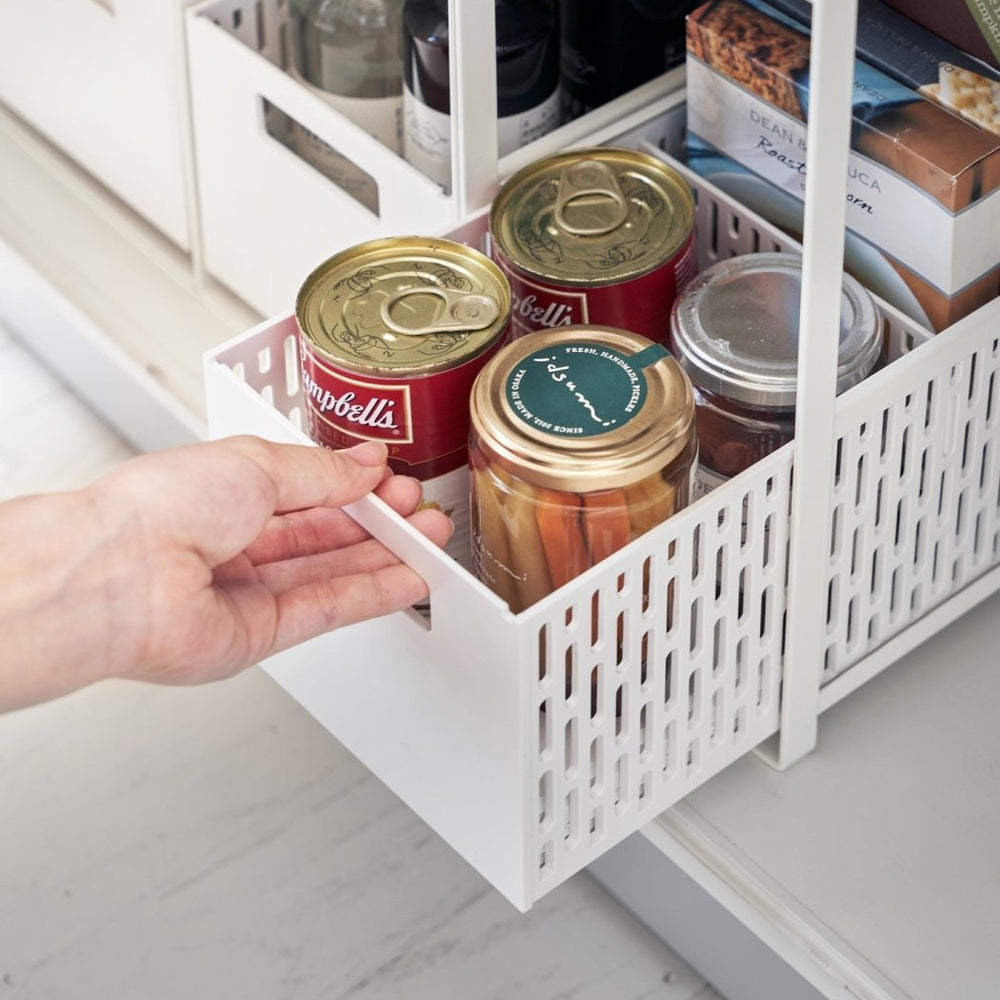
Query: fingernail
(370,453)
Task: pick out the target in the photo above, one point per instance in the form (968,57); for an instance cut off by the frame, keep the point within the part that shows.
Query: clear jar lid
(735,329)
(583,408)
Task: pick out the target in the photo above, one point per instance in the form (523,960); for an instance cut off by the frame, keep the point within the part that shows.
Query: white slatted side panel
(272,370)
(263,25)
(662,668)
(916,506)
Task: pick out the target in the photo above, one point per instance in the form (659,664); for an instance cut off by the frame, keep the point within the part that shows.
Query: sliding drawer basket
(534,743)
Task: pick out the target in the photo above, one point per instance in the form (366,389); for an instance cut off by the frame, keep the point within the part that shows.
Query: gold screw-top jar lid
(403,306)
(592,216)
(583,408)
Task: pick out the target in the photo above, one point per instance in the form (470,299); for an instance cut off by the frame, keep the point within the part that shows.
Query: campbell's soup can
(392,334)
(595,236)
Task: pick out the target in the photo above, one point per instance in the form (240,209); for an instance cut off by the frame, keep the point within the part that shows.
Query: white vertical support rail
(473,83)
(831,80)
(182,82)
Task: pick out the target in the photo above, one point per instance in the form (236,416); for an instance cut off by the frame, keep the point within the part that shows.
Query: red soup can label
(392,334)
(595,236)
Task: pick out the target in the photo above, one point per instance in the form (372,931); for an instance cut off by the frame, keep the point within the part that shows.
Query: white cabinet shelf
(870,867)
(109,302)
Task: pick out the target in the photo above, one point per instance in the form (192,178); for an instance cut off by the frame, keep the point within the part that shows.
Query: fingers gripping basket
(534,743)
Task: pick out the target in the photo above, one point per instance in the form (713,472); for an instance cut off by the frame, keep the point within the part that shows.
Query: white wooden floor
(48,439)
(216,843)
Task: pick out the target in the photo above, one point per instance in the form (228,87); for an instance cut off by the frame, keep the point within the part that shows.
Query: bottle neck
(527,53)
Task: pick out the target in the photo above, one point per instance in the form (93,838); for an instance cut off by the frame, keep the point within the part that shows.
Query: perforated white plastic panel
(263,25)
(916,499)
(661,671)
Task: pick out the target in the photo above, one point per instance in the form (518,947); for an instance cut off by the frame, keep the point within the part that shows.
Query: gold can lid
(592,216)
(403,306)
(583,408)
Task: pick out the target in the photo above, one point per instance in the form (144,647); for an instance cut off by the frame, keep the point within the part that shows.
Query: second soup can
(601,235)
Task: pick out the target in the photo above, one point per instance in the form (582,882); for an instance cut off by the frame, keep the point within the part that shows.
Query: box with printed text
(923,194)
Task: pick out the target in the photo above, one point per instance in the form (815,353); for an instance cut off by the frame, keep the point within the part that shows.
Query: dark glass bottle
(612,46)
(527,54)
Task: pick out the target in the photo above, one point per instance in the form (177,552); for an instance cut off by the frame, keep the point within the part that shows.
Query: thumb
(367,453)
(314,476)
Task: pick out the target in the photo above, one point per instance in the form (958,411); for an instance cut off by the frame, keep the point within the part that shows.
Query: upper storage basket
(267,215)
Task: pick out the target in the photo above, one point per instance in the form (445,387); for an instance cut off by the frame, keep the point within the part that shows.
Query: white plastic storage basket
(268,216)
(105,80)
(534,743)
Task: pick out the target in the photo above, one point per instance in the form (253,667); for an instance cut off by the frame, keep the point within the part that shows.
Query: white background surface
(885,839)
(216,842)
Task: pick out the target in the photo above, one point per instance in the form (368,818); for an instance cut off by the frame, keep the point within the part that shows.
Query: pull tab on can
(590,178)
(462,311)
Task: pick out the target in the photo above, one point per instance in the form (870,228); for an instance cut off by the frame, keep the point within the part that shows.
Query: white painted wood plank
(49,440)
(130,284)
(881,843)
(113,382)
(164,843)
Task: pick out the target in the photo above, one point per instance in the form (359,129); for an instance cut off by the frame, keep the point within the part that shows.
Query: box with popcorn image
(911,54)
(923,186)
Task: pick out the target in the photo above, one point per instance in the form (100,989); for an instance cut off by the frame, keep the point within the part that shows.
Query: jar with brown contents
(735,331)
(582,440)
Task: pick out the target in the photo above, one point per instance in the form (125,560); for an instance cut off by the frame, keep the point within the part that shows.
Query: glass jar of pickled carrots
(583,438)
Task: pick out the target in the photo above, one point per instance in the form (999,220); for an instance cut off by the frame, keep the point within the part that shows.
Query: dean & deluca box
(923,187)
(905,51)
(972,25)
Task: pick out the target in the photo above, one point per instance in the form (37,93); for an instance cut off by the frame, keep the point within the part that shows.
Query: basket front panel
(658,668)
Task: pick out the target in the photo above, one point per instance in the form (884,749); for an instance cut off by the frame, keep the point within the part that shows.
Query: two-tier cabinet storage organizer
(534,743)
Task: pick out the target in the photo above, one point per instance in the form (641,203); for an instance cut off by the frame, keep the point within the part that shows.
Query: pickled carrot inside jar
(582,440)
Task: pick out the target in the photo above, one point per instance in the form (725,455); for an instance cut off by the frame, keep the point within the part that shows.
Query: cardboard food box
(972,26)
(923,195)
(910,54)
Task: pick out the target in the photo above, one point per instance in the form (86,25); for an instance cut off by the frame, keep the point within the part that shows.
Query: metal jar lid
(735,329)
(592,216)
(583,408)
(403,306)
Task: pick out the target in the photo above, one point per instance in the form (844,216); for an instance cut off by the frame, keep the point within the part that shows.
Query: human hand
(190,564)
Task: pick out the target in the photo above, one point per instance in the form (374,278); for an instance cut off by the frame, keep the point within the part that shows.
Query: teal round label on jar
(579,389)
